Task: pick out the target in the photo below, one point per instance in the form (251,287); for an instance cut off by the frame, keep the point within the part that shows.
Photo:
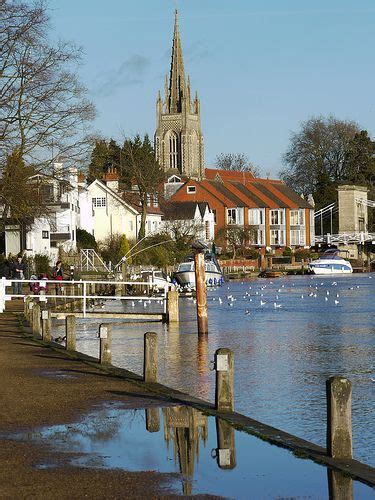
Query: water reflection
(209,454)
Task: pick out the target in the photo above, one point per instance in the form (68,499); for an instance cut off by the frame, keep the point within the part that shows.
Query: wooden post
(200,287)
(46,325)
(172,307)
(224,390)
(105,349)
(339,417)
(70,332)
(226,448)
(150,363)
(152,419)
(36,320)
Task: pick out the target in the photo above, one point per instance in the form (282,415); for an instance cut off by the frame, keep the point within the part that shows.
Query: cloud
(130,72)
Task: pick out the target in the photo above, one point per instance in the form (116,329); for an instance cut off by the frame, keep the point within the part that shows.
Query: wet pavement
(208,455)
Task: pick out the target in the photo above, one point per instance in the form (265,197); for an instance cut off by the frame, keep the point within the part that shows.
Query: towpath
(40,387)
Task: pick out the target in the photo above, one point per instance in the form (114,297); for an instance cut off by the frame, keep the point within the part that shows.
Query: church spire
(177,85)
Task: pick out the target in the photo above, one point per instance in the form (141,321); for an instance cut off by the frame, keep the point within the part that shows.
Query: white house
(189,217)
(105,212)
(58,228)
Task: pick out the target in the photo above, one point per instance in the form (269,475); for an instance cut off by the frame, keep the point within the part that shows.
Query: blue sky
(260,68)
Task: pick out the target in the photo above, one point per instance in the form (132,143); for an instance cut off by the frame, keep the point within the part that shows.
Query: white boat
(331,263)
(185,274)
(156,278)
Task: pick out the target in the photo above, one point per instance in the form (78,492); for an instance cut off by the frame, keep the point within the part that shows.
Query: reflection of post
(152,419)
(150,363)
(339,417)
(226,448)
(200,287)
(224,391)
(340,486)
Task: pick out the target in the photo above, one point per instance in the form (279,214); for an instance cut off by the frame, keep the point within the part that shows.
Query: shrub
(302,254)
(287,252)
(251,253)
(86,239)
(41,264)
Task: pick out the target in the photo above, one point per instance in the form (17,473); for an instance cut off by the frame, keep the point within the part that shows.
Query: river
(320,326)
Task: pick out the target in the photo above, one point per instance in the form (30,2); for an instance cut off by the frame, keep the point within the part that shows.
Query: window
(277,217)
(148,200)
(297,217)
(173,150)
(207,230)
(214,212)
(155,200)
(235,216)
(297,237)
(191,189)
(277,237)
(174,179)
(99,202)
(256,216)
(131,225)
(149,226)
(261,239)
(45,235)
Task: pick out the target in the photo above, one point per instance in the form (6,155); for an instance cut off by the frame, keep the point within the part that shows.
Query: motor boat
(330,263)
(157,279)
(185,274)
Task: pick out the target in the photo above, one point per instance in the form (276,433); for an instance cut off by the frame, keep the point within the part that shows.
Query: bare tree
(318,153)
(44,111)
(238,162)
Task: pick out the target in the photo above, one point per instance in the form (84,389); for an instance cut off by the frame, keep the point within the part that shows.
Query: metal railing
(44,295)
(345,238)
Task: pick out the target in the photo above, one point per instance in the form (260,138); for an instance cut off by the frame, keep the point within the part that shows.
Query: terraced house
(277,215)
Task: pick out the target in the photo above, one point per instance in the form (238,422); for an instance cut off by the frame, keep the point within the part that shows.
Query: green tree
(85,239)
(360,160)
(100,160)
(124,248)
(144,171)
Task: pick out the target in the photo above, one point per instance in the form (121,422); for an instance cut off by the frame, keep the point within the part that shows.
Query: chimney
(111,179)
(81,179)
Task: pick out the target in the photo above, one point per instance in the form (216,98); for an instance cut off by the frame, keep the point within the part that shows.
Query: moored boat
(185,274)
(331,263)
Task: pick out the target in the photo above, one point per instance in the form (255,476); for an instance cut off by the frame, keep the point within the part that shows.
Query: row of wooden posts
(338,389)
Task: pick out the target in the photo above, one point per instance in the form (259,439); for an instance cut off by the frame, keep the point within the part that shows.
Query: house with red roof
(277,215)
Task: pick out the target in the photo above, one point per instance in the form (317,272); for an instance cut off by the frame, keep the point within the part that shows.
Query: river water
(288,336)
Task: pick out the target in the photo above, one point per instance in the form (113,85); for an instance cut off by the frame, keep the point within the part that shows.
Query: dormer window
(174,179)
(191,189)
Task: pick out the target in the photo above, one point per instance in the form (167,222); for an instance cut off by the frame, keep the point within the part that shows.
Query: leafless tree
(44,110)
(238,162)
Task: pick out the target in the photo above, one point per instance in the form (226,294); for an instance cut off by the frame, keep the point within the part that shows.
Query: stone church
(179,142)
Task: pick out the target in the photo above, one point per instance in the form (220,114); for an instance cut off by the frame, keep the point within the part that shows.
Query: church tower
(178,138)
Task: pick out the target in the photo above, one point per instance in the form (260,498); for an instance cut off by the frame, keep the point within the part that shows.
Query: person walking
(18,269)
(58,275)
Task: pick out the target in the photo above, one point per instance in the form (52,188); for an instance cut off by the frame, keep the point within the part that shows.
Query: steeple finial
(177,85)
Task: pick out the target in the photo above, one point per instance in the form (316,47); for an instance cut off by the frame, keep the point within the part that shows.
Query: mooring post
(150,362)
(226,448)
(29,316)
(339,417)
(36,320)
(46,325)
(105,348)
(224,390)
(200,287)
(26,306)
(172,307)
(152,419)
(70,332)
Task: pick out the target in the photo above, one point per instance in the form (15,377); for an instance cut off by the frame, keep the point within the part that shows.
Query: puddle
(207,453)
(56,374)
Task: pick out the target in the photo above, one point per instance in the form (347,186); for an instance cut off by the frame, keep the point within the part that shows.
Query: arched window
(173,147)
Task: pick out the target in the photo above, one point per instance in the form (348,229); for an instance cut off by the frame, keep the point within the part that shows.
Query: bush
(85,239)
(302,254)
(287,252)
(251,253)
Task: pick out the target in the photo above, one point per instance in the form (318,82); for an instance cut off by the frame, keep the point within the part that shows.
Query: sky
(260,68)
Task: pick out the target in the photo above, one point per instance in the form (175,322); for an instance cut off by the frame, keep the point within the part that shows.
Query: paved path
(32,394)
